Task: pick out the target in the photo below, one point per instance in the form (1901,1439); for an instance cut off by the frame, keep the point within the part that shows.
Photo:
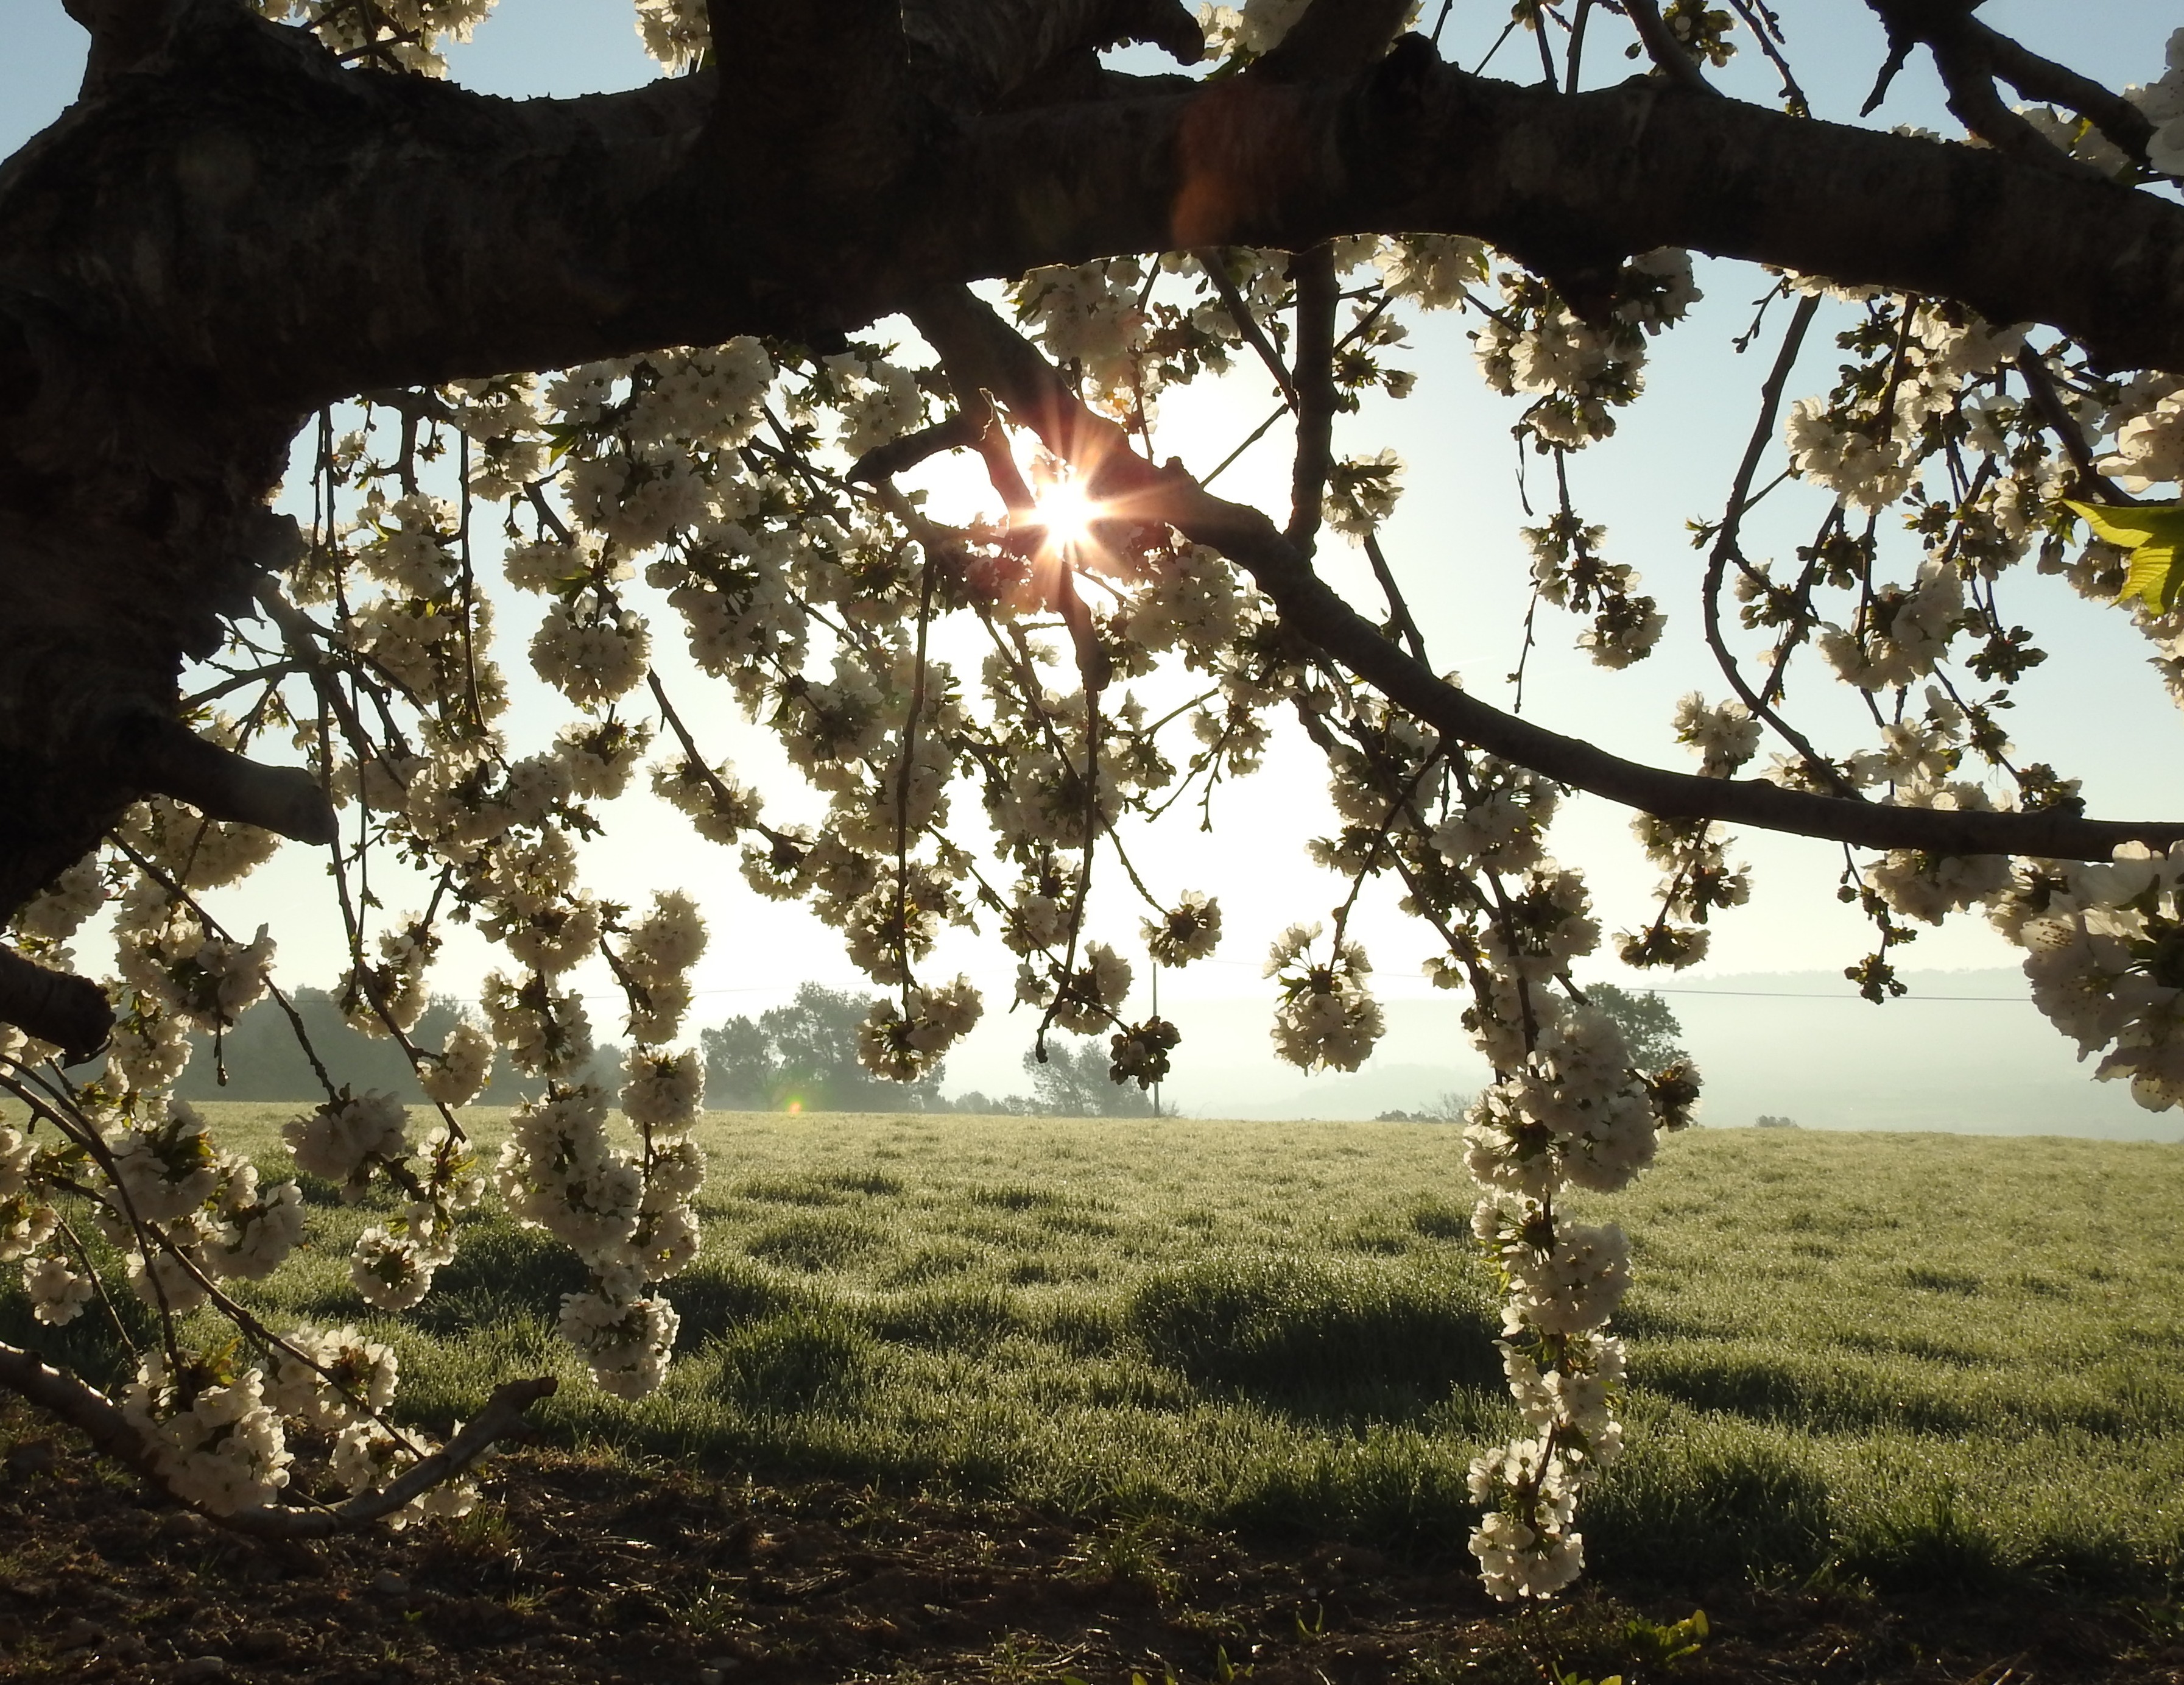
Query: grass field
(1911,1359)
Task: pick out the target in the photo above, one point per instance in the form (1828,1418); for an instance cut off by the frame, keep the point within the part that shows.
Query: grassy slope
(1920,1358)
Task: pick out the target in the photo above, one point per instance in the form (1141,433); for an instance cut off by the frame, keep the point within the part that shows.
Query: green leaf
(2153,534)
(2153,577)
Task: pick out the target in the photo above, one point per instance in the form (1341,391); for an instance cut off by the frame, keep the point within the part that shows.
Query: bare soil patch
(577,1569)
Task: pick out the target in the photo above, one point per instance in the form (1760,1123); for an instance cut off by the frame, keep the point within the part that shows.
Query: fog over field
(1965,1052)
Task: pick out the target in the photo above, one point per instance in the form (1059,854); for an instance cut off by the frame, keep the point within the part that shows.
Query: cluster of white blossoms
(186,1214)
(1089,315)
(1571,1110)
(1725,736)
(57,1291)
(402,34)
(1570,571)
(905,1043)
(1189,931)
(2102,941)
(215,1440)
(1866,447)
(1362,493)
(351,1142)
(1578,373)
(1327,1019)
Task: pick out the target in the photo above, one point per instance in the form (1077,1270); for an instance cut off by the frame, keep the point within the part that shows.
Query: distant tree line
(802,1055)
(261,1059)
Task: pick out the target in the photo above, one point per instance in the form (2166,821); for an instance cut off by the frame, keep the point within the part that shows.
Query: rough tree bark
(230,229)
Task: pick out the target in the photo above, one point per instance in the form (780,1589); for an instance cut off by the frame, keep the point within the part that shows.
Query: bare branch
(1950,29)
(1969,79)
(503,1414)
(2038,78)
(78,1404)
(964,428)
(2068,434)
(1726,548)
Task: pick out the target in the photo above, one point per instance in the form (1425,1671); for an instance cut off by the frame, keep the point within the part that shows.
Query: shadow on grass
(501,1273)
(797,1360)
(1708,1501)
(1318,1342)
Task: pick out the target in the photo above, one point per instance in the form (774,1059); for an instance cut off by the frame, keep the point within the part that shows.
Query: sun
(1067,515)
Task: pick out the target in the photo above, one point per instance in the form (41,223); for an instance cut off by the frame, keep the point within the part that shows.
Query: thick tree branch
(991,49)
(124,33)
(979,348)
(1334,38)
(1663,47)
(70,1012)
(1950,30)
(1969,77)
(1317,298)
(166,758)
(455,234)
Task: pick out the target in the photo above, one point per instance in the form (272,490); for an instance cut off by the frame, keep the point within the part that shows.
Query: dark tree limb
(165,758)
(124,33)
(1969,78)
(1663,47)
(1333,38)
(1318,299)
(72,1012)
(979,347)
(990,49)
(1953,31)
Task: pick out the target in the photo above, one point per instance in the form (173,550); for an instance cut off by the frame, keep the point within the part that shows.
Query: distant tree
(1765,1122)
(979,1103)
(740,1069)
(1448,1108)
(261,1058)
(805,1053)
(1074,1083)
(1649,1028)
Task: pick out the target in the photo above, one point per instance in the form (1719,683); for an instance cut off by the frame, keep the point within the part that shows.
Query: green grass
(1916,1360)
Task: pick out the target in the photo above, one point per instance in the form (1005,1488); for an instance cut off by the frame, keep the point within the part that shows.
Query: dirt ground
(572,1571)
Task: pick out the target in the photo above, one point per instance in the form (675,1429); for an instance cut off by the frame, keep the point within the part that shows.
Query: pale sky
(2095,710)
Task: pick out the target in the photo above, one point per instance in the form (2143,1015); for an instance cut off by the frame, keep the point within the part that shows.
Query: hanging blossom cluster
(1465,833)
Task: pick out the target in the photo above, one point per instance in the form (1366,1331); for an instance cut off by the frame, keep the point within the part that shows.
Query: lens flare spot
(1067,515)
